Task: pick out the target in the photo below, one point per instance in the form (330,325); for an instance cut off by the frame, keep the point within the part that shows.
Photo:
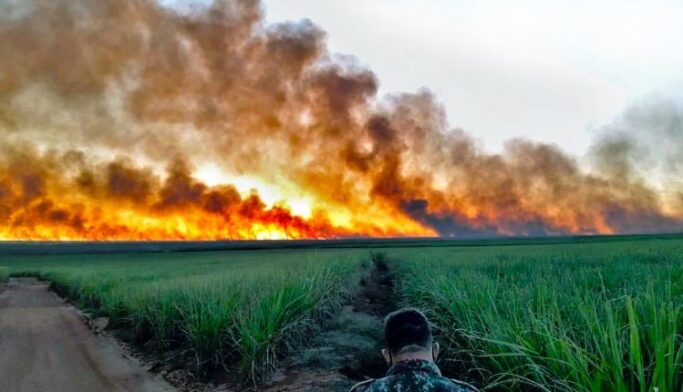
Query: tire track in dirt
(46,346)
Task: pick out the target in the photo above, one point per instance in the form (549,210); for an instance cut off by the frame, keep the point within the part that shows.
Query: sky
(549,71)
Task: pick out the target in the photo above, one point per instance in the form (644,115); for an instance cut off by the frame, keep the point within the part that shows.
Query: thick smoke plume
(108,108)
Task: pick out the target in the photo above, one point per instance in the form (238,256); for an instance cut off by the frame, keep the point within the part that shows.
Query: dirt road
(46,346)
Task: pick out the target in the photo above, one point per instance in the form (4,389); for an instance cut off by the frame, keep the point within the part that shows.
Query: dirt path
(46,346)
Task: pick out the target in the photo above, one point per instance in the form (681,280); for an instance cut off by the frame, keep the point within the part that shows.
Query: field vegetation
(4,274)
(595,317)
(239,311)
(587,315)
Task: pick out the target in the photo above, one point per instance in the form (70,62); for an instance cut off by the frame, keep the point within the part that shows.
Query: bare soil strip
(46,346)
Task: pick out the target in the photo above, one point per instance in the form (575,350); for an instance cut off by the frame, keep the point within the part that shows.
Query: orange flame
(92,108)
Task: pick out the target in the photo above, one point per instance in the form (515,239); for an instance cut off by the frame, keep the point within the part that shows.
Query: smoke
(108,107)
(645,141)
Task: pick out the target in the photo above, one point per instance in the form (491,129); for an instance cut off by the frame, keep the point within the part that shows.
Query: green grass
(226,309)
(603,314)
(4,274)
(590,317)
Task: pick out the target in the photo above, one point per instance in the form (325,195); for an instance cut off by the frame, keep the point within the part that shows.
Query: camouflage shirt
(413,376)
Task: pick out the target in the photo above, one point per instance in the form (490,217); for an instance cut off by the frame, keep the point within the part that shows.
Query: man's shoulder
(450,385)
(436,383)
(362,386)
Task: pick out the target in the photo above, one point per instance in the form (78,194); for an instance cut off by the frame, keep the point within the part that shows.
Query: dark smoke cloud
(121,101)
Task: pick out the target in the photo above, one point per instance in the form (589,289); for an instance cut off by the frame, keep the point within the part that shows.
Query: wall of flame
(109,108)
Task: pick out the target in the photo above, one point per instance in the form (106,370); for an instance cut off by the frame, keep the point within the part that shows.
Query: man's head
(408,336)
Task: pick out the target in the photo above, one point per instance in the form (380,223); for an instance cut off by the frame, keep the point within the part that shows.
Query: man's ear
(387,356)
(435,351)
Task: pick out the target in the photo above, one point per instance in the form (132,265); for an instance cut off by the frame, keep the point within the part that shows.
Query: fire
(130,121)
(129,203)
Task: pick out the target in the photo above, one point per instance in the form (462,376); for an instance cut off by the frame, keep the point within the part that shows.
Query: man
(411,353)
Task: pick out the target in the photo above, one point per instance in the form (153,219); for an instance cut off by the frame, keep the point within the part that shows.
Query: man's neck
(416,356)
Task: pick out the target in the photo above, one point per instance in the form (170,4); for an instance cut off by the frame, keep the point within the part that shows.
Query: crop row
(566,318)
(589,317)
(4,274)
(242,315)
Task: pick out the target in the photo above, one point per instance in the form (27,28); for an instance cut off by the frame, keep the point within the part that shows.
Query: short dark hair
(407,328)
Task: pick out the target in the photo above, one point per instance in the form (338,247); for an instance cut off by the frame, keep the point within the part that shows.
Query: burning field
(127,120)
(129,125)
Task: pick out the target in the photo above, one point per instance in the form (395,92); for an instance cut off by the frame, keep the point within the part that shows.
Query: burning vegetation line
(105,119)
